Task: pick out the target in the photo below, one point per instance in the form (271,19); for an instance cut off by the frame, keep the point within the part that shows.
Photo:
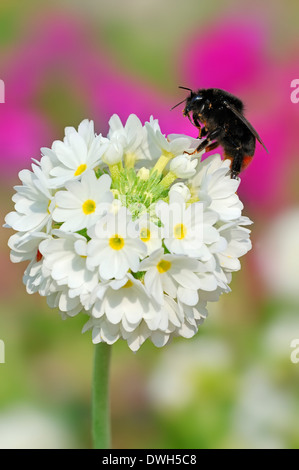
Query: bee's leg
(234,174)
(239,163)
(235,166)
(196,121)
(210,136)
(205,143)
(204,132)
(197,124)
(212,146)
(237,156)
(236,159)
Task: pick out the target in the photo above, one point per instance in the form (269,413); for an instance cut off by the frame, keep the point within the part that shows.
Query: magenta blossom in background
(229,53)
(61,52)
(234,54)
(22,132)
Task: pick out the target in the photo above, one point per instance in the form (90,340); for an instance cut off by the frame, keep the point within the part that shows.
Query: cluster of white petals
(129,229)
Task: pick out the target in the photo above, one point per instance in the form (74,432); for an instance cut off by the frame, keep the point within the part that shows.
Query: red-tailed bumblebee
(219,117)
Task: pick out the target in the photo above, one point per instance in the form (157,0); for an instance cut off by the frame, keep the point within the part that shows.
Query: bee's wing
(247,123)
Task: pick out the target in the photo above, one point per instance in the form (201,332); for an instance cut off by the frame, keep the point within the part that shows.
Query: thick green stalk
(100,397)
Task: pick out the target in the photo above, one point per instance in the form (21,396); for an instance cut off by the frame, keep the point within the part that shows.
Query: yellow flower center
(88,206)
(129,283)
(80,169)
(145,234)
(180,231)
(116,242)
(163,266)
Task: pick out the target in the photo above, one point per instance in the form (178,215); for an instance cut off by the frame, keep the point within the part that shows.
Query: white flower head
(182,189)
(65,258)
(115,246)
(213,185)
(184,166)
(150,234)
(187,230)
(175,146)
(129,229)
(26,247)
(83,203)
(123,142)
(165,272)
(131,297)
(79,152)
(33,203)
(238,243)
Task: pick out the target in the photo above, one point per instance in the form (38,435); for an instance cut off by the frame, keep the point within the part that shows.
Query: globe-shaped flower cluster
(129,229)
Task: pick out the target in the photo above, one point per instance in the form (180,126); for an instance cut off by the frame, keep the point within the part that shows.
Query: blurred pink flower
(22,132)
(60,49)
(234,54)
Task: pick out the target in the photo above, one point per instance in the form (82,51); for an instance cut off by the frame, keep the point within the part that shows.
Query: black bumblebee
(219,117)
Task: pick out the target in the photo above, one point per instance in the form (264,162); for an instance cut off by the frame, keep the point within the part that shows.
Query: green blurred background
(234,384)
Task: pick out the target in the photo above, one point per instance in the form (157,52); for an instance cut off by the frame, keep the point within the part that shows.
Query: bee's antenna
(178,104)
(185,88)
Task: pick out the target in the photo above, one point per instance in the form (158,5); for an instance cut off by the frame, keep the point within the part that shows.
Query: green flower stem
(168,180)
(115,171)
(130,159)
(100,397)
(162,162)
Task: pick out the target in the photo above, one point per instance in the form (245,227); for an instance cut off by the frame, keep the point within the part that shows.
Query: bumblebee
(218,115)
